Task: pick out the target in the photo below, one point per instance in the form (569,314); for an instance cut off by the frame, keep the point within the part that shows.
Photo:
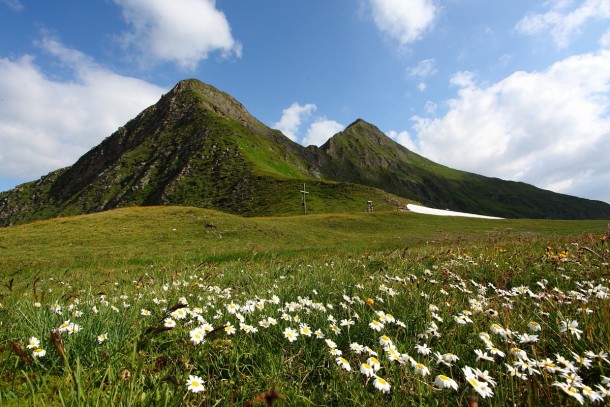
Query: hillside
(134,238)
(198,146)
(364,155)
(130,307)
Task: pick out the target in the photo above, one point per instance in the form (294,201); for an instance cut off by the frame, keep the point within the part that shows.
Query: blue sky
(517,90)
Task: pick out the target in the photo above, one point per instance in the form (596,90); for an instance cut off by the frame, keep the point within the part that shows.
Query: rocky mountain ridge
(198,146)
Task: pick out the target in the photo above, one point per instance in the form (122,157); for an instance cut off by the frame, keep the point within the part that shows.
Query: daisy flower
(385,341)
(497,329)
(485,338)
(195,384)
(394,355)
(483,355)
(38,353)
(145,312)
(197,335)
(180,313)
(571,327)
(382,385)
(367,370)
(376,325)
(249,329)
(582,360)
(421,369)
(102,338)
(526,338)
(347,322)
(64,326)
(534,326)
(305,330)
(570,391)
(520,353)
(374,363)
(548,365)
(480,387)
(423,349)
(389,318)
(343,363)
(169,323)
(495,351)
(73,328)
(33,343)
(515,373)
(445,382)
(356,348)
(330,343)
(290,334)
(591,394)
(229,329)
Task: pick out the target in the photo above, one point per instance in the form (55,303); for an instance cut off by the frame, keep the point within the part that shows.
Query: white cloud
(14,5)
(292,117)
(179,31)
(403,138)
(47,124)
(404,20)
(550,128)
(320,131)
(430,107)
(462,79)
(564,23)
(423,69)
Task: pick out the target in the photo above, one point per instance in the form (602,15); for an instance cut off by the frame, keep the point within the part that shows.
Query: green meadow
(182,306)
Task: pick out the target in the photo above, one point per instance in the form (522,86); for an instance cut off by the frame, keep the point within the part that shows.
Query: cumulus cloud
(563,21)
(549,128)
(46,124)
(292,117)
(178,31)
(402,137)
(320,131)
(404,20)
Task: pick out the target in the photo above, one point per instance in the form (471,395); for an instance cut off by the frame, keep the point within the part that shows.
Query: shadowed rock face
(199,146)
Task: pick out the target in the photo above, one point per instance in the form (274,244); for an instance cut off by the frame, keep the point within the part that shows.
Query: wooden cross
(304,193)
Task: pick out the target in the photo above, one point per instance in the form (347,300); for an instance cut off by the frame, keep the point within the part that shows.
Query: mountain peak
(199,146)
(360,133)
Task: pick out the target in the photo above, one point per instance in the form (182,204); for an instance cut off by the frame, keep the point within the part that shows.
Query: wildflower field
(498,317)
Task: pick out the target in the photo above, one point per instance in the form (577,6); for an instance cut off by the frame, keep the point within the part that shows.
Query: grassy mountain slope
(199,147)
(135,238)
(363,154)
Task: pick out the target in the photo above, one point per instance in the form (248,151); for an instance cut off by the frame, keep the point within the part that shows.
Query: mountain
(198,146)
(363,154)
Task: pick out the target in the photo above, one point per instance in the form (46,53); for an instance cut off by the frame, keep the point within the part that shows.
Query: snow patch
(440,212)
